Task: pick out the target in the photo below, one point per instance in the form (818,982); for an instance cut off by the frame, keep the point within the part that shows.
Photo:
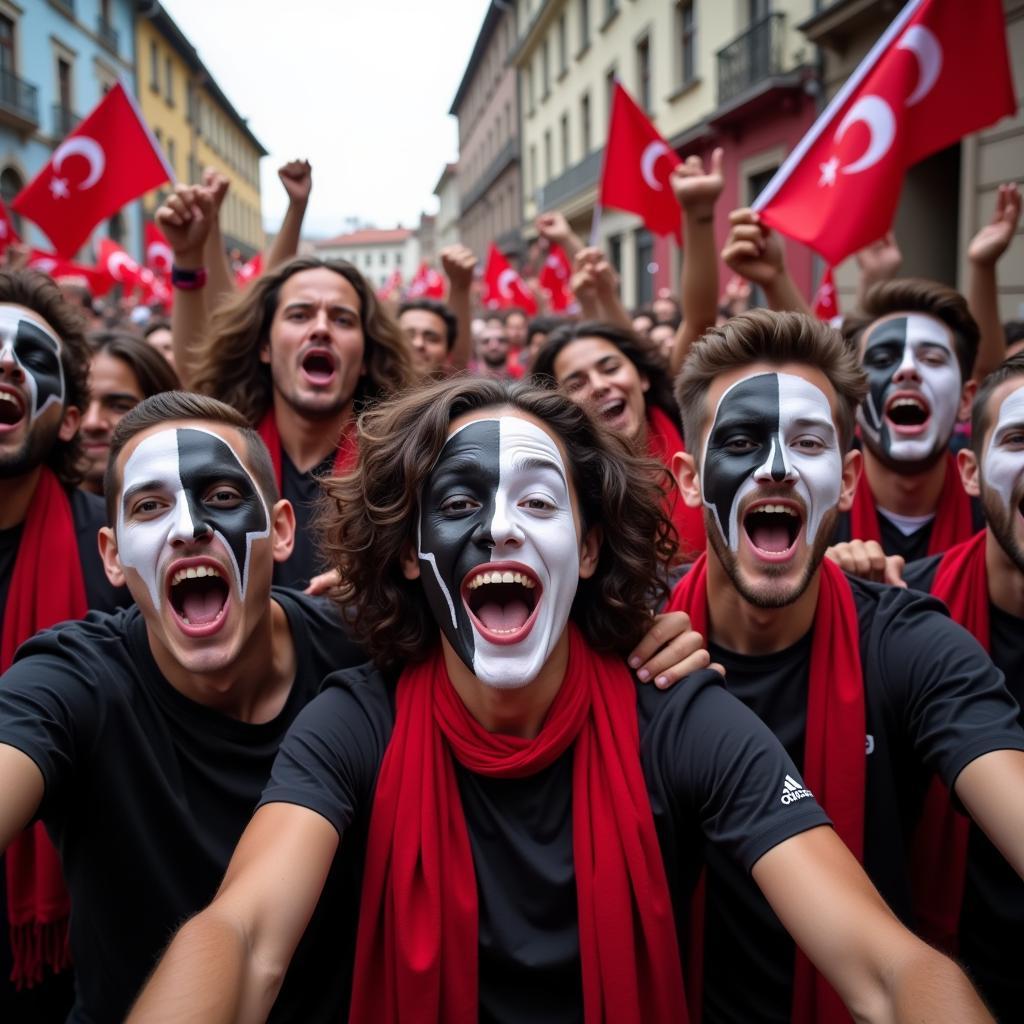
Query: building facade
(447,192)
(57,61)
(490,200)
(377,253)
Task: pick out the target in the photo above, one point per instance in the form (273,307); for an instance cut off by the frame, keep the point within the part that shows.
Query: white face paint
(1003,467)
(911,365)
(35,350)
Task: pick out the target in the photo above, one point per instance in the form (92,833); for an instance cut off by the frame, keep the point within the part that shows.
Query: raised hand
(752,249)
(297,178)
(989,244)
(217,185)
(554,227)
(185,219)
(696,187)
(880,260)
(458,263)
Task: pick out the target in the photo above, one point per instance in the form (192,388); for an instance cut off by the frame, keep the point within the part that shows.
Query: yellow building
(197,126)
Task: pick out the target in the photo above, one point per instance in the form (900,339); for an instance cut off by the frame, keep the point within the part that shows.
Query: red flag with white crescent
(503,287)
(249,271)
(96,280)
(119,265)
(826,302)
(159,257)
(427,283)
(554,278)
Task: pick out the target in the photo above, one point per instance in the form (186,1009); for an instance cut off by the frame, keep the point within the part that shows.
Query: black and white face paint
(498,548)
(181,468)
(35,350)
(1003,467)
(770,431)
(914,389)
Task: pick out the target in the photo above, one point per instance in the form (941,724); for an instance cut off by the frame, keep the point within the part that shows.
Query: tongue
(504,616)
(769,537)
(318,374)
(202,606)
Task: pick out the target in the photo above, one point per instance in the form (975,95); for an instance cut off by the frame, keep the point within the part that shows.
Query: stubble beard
(1000,519)
(31,453)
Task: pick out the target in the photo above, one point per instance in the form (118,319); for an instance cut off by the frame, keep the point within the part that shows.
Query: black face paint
(36,351)
(882,358)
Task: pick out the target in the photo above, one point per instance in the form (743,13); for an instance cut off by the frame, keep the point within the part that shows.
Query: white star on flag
(59,188)
(828,171)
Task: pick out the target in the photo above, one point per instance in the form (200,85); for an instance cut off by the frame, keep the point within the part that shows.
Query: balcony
(752,57)
(19,102)
(107,34)
(64,120)
(509,154)
(67,6)
(570,183)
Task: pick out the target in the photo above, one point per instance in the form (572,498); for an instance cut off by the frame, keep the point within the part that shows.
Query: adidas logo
(793,791)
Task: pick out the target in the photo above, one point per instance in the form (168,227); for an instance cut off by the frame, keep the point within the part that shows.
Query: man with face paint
(870,689)
(50,570)
(142,739)
(529,816)
(917,342)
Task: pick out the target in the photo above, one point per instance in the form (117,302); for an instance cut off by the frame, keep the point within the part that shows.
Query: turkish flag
(427,284)
(638,163)
(117,264)
(826,302)
(503,287)
(249,271)
(107,161)
(554,278)
(159,257)
(97,281)
(8,235)
(938,72)
(391,286)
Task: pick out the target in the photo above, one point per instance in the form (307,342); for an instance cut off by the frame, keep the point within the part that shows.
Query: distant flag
(159,257)
(826,301)
(554,278)
(60,269)
(427,284)
(504,288)
(249,271)
(391,287)
(117,264)
(8,236)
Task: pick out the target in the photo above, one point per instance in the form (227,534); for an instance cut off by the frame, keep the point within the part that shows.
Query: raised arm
(297,178)
(459,263)
(755,252)
(697,192)
(555,228)
(597,288)
(22,792)
(227,963)
(882,972)
(879,261)
(220,281)
(984,252)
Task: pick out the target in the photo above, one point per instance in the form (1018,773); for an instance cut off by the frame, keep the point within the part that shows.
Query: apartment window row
(227,141)
(487,77)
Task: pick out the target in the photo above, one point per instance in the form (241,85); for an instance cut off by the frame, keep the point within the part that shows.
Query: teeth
(4,396)
(781,509)
(501,577)
(913,402)
(194,572)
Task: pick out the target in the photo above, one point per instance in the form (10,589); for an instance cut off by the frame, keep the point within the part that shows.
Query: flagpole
(853,82)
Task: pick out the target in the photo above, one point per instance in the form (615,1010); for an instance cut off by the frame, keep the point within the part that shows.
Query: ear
(645,384)
(265,351)
(853,466)
(69,423)
(282,530)
(410,562)
(590,552)
(108,553)
(687,476)
(970,471)
(963,413)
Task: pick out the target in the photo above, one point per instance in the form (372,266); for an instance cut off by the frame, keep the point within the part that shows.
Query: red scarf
(416,953)
(38,906)
(834,759)
(663,441)
(344,458)
(953,519)
(939,853)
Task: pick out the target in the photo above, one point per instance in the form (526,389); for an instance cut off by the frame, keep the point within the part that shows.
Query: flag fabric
(107,161)
(826,302)
(503,287)
(8,236)
(638,163)
(118,265)
(159,257)
(554,279)
(249,271)
(427,284)
(838,190)
(391,287)
(97,281)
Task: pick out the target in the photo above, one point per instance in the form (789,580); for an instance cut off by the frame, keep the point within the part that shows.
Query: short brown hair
(981,414)
(368,516)
(167,406)
(227,364)
(762,336)
(916,295)
(153,373)
(38,292)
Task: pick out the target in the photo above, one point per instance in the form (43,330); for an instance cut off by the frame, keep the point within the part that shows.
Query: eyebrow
(117,395)
(814,421)
(533,462)
(306,304)
(146,485)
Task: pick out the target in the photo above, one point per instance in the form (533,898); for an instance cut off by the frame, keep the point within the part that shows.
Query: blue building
(57,60)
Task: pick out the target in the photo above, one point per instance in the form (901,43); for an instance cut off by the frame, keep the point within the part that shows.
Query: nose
(93,421)
(186,528)
(502,531)
(777,468)
(908,370)
(9,367)
(319,324)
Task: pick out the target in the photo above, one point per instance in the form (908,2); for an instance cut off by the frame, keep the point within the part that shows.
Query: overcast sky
(361,88)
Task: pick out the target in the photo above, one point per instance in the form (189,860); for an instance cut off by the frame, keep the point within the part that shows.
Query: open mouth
(611,410)
(199,598)
(907,413)
(318,366)
(502,599)
(772,529)
(12,409)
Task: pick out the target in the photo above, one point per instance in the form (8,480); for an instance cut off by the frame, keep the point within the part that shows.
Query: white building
(447,192)
(376,252)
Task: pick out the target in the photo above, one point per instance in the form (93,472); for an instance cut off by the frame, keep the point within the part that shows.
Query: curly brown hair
(368,516)
(38,292)
(227,365)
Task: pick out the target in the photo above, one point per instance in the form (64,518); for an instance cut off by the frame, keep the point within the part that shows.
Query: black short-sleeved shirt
(992,918)
(933,703)
(713,773)
(303,490)
(147,792)
(89,514)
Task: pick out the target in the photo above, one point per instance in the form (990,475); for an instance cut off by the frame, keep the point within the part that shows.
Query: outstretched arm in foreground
(227,963)
(21,793)
(882,972)
(991,788)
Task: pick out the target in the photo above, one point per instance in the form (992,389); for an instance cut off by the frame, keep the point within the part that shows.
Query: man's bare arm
(297,178)
(459,263)
(220,282)
(227,963)
(22,792)
(881,971)
(991,788)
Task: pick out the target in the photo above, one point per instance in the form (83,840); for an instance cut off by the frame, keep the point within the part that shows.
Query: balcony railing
(64,120)
(571,182)
(751,57)
(67,6)
(19,99)
(107,34)
(509,154)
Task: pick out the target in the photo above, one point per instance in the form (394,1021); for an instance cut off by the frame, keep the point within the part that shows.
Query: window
(758,9)
(643,73)
(159,136)
(64,85)
(644,262)
(172,156)
(115,228)
(398,259)
(533,168)
(383,258)
(686,32)
(530,95)
(545,71)
(611,8)
(11,184)
(168,81)
(585,137)
(508,121)
(609,89)
(563,57)
(615,252)
(548,172)
(154,66)
(584,9)
(564,125)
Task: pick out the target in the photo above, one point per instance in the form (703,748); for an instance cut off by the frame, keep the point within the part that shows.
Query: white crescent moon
(504,278)
(116,261)
(878,116)
(160,255)
(84,147)
(649,157)
(43,264)
(928,51)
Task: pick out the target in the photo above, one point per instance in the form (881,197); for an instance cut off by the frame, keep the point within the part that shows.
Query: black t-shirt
(714,773)
(933,703)
(303,490)
(147,792)
(89,514)
(992,917)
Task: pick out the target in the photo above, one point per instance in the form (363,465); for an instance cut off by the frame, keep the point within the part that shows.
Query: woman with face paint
(621,380)
(530,816)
